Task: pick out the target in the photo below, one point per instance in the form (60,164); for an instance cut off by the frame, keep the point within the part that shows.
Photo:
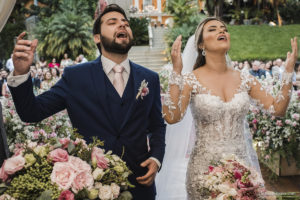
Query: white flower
(227,190)
(116,158)
(115,190)
(221,197)
(98,174)
(105,193)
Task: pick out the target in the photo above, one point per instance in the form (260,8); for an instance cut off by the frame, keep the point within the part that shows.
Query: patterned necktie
(118,81)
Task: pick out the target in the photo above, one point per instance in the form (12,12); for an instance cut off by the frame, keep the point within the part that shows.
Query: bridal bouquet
(64,169)
(229,179)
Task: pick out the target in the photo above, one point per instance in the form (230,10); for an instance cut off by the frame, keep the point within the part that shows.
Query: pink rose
(14,164)
(63,175)
(79,165)
(254,121)
(237,174)
(58,155)
(82,180)
(64,142)
(210,168)
(66,195)
(279,123)
(99,157)
(145,91)
(3,175)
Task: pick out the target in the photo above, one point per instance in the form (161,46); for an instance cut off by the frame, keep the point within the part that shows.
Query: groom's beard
(113,47)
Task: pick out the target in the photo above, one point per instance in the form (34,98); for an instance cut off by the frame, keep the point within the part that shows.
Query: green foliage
(261,42)
(290,12)
(186,19)
(182,10)
(139,27)
(34,182)
(186,29)
(68,31)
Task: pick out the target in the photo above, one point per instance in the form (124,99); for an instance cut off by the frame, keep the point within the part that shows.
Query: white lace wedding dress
(219,125)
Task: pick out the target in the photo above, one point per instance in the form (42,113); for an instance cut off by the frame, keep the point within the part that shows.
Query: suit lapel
(100,87)
(137,79)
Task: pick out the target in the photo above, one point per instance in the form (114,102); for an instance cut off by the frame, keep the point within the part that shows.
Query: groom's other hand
(23,54)
(148,178)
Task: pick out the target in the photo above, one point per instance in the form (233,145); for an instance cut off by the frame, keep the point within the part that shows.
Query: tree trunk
(219,8)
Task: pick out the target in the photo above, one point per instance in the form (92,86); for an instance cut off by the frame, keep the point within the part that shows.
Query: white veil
(170,181)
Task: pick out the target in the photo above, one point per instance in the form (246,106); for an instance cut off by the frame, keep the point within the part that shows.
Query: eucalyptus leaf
(46,195)
(71,147)
(3,188)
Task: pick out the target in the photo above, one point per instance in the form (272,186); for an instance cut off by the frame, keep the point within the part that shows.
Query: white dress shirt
(15,81)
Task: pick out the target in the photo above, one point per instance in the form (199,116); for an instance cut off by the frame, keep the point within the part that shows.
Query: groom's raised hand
(23,54)
(148,178)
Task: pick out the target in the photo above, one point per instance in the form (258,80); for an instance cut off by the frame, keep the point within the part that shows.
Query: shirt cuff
(15,81)
(157,162)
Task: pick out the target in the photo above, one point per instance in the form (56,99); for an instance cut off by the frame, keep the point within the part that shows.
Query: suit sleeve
(157,127)
(33,108)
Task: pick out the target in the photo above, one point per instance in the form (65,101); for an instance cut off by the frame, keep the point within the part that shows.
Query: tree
(68,31)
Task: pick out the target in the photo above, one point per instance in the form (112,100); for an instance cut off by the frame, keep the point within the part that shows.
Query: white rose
(105,193)
(221,197)
(227,190)
(98,174)
(116,158)
(32,145)
(115,190)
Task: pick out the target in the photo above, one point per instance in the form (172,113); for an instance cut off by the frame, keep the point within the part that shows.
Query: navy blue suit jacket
(82,91)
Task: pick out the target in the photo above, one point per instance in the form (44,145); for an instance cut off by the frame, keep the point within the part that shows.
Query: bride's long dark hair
(200,61)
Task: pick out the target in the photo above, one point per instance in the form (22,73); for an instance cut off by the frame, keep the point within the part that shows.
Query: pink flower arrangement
(70,169)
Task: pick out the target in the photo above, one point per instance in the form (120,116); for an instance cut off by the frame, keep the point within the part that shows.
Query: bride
(219,99)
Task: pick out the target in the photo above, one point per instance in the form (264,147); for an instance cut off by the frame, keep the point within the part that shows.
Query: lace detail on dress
(248,81)
(176,79)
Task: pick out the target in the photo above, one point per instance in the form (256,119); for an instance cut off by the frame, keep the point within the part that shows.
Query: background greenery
(261,42)
(139,27)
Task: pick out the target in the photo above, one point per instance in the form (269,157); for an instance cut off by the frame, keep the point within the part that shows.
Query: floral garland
(19,132)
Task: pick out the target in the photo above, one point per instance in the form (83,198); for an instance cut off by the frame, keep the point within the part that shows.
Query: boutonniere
(143,90)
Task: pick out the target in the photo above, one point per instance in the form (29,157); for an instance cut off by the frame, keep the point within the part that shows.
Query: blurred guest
(82,58)
(36,82)
(268,68)
(10,64)
(47,82)
(65,62)
(54,73)
(77,60)
(5,90)
(53,63)
(42,63)
(256,71)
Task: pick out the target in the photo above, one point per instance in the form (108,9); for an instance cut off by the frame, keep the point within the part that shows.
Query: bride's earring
(203,52)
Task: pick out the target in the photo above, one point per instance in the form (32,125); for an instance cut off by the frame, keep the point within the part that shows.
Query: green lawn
(261,42)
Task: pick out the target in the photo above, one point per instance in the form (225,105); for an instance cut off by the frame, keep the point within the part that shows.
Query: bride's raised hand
(291,58)
(176,55)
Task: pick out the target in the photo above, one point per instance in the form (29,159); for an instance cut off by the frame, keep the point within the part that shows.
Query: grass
(261,42)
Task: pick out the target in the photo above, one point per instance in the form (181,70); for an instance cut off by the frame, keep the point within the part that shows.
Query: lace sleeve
(274,105)
(177,98)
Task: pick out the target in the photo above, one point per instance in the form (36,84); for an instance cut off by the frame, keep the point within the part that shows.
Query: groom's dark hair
(98,22)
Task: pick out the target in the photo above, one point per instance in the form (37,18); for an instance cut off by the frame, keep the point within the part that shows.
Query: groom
(102,99)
